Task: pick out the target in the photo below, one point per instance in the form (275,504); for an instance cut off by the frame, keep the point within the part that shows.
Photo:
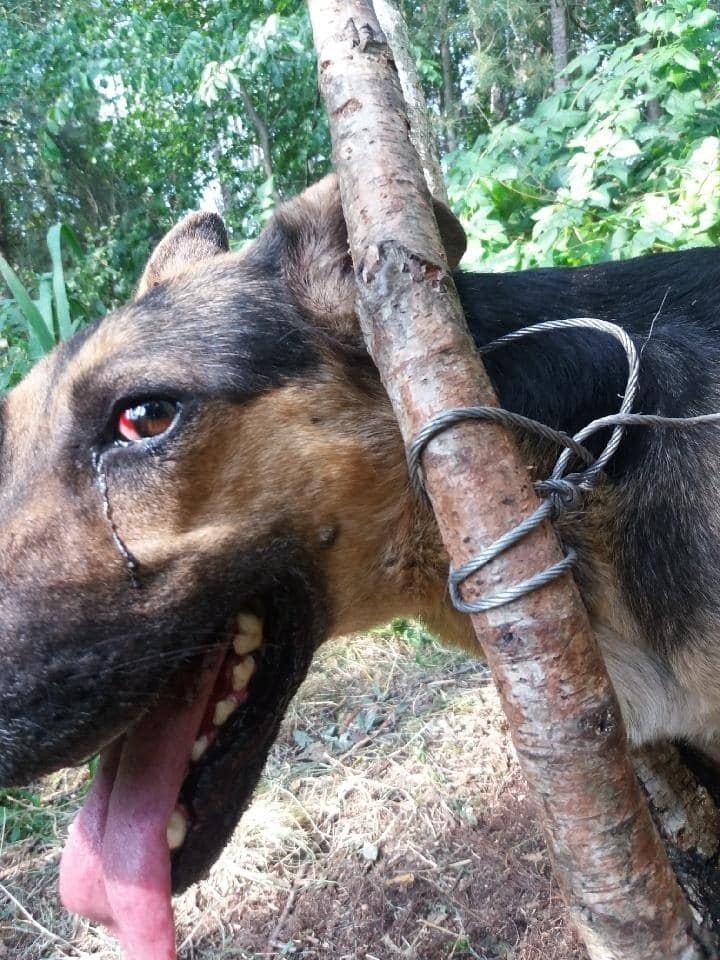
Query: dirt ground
(391,823)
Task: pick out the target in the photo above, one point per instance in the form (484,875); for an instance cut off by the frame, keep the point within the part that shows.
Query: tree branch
(421,131)
(261,130)
(566,725)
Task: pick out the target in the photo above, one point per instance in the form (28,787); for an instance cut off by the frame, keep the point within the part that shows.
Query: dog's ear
(199,236)
(452,233)
(307,240)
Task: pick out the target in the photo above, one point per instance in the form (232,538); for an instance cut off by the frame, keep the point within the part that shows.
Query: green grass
(426,649)
(22,815)
(32,322)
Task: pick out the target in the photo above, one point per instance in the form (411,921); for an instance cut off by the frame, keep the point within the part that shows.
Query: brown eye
(144,420)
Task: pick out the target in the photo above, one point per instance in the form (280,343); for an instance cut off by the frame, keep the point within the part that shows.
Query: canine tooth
(199,748)
(249,634)
(223,709)
(176,830)
(242,672)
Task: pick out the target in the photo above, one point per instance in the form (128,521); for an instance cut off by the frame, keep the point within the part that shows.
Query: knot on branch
(379,257)
(364,33)
(601,722)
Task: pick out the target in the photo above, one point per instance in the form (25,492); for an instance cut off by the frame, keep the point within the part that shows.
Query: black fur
(666,542)
(109,660)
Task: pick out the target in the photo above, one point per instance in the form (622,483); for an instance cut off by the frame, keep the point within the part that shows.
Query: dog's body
(223,445)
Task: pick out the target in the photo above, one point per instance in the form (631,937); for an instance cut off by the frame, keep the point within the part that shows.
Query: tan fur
(199,236)
(254,466)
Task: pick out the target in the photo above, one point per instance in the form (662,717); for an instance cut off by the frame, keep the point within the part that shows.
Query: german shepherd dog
(202,487)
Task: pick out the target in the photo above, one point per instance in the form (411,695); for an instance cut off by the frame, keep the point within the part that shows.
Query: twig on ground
(287,909)
(36,924)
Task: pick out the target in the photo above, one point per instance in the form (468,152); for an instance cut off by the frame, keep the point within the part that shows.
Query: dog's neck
(399,569)
(387,558)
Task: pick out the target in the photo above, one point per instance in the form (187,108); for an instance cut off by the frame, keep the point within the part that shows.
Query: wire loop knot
(561,491)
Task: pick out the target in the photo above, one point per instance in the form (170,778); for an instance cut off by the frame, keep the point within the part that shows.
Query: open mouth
(169,791)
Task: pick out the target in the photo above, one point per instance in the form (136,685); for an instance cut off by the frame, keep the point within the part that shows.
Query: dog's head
(194,493)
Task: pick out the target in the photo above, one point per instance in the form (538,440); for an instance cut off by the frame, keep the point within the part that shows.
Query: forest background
(570,133)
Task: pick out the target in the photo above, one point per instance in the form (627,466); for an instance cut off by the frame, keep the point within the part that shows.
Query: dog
(203,486)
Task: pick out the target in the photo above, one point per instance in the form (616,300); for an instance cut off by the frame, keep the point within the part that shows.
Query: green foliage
(161,102)
(124,135)
(625,160)
(253,72)
(30,327)
(35,812)
(22,815)
(482,62)
(425,647)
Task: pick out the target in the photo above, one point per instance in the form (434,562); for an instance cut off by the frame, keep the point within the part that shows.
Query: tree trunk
(498,101)
(683,791)
(3,235)
(652,107)
(448,90)
(559,38)
(565,722)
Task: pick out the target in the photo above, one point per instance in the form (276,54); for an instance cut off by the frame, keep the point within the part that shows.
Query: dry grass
(391,823)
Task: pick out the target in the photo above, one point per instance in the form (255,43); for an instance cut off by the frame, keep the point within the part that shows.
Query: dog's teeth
(223,709)
(243,644)
(242,672)
(249,634)
(199,748)
(176,830)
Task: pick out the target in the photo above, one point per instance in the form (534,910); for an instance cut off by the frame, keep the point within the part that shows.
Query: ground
(392,823)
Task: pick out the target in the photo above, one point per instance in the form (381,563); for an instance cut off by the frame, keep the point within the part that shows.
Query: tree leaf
(686,59)
(32,316)
(62,307)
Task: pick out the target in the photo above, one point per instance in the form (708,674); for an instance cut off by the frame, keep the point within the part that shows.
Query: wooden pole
(564,718)
(422,136)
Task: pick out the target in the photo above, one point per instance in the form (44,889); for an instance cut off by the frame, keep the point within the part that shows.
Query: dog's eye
(144,420)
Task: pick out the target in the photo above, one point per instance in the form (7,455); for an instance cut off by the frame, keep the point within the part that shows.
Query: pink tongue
(115,867)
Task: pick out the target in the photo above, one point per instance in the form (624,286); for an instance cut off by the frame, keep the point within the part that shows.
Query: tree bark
(559,39)
(565,722)
(683,791)
(422,134)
